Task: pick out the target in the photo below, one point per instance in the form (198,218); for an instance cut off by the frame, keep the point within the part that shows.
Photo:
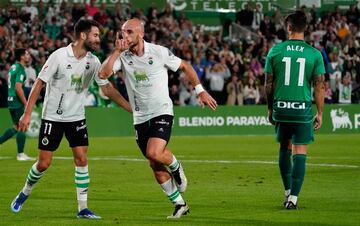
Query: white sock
(287,192)
(82,181)
(33,177)
(172,192)
(174,164)
(293,199)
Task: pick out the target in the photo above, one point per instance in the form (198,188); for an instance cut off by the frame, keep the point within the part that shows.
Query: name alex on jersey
(295,48)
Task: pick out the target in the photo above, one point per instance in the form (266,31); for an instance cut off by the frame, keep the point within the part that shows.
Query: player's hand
(317,121)
(24,123)
(270,117)
(206,99)
(120,44)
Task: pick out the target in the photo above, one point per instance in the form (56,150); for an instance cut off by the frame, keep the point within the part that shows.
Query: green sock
(7,135)
(298,174)
(285,166)
(20,141)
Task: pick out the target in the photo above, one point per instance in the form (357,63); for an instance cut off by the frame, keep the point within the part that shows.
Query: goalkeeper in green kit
(291,67)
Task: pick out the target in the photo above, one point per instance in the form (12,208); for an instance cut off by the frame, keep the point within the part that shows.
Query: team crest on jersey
(87,65)
(130,63)
(68,66)
(140,76)
(76,80)
(45,141)
(150,61)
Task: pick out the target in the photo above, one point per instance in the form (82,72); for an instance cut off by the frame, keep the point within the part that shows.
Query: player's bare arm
(20,92)
(319,94)
(269,88)
(204,97)
(114,95)
(34,94)
(106,69)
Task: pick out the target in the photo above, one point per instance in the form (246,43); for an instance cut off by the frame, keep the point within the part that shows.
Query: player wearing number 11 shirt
(291,68)
(67,74)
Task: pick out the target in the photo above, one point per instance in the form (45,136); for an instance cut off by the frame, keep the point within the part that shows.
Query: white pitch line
(124,158)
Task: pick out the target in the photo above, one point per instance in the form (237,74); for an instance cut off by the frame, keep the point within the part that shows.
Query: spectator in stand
(199,68)
(235,90)
(251,93)
(328,93)
(345,89)
(91,9)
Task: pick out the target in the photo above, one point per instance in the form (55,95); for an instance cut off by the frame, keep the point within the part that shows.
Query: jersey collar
(70,51)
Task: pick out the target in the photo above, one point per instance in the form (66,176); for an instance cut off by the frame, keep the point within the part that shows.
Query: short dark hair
(19,53)
(297,21)
(84,26)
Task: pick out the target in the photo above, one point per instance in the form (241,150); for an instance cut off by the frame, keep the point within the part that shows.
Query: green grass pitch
(233,180)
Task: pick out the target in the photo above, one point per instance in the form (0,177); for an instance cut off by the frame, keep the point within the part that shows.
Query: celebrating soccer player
(67,73)
(145,67)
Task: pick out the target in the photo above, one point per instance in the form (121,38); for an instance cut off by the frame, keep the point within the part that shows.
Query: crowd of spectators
(231,70)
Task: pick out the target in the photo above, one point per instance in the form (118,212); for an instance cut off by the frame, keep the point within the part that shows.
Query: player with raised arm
(145,67)
(291,67)
(67,73)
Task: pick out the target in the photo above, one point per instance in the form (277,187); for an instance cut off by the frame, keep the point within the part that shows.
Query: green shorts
(299,133)
(16,113)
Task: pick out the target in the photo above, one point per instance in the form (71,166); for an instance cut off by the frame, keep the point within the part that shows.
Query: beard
(91,46)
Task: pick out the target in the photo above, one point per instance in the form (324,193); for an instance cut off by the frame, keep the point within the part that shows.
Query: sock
(287,192)
(33,177)
(298,174)
(20,141)
(285,166)
(172,192)
(7,135)
(174,164)
(293,199)
(82,181)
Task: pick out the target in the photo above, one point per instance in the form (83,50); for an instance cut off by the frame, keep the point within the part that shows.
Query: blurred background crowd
(231,69)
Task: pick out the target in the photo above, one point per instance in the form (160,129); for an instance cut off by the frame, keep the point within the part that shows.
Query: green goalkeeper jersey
(16,74)
(294,64)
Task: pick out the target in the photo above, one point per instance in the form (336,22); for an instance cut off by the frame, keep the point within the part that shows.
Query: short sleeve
(97,79)
(20,76)
(50,68)
(268,63)
(319,68)
(170,60)
(117,65)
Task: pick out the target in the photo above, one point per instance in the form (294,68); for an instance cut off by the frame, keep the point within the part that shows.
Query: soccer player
(67,73)
(291,67)
(17,101)
(145,67)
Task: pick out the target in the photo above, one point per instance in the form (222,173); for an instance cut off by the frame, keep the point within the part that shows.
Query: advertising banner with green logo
(226,120)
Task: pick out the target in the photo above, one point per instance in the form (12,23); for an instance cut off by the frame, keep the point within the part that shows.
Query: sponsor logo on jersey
(76,80)
(140,76)
(45,67)
(291,105)
(45,141)
(59,111)
(340,119)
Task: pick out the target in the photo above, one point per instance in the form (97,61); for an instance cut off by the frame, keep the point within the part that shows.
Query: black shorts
(159,127)
(51,134)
